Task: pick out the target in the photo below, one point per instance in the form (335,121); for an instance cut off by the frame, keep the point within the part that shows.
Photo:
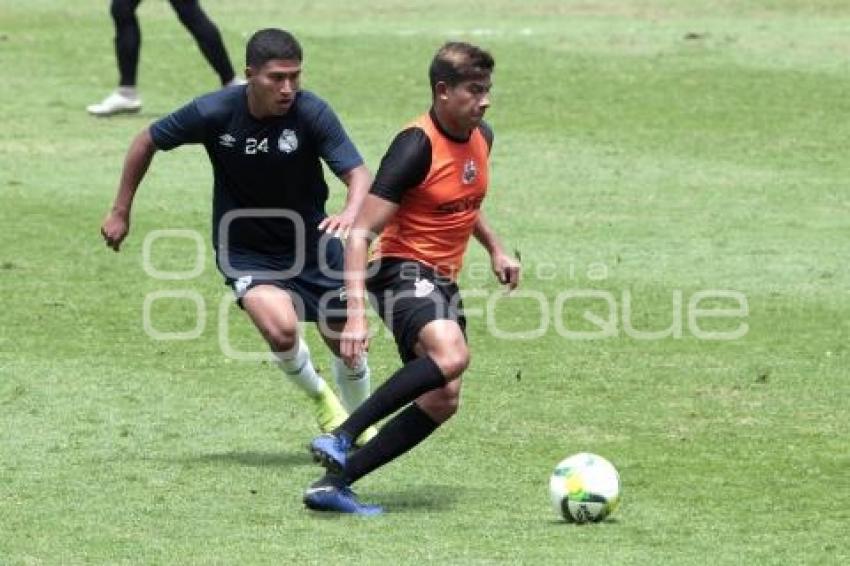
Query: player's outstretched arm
(117,222)
(371,219)
(358,181)
(507,269)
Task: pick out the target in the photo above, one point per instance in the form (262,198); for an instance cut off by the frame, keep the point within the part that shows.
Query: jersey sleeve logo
(287,142)
(470,171)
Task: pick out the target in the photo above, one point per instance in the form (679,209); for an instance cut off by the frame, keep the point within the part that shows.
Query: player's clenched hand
(337,225)
(507,269)
(114,229)
(354,341)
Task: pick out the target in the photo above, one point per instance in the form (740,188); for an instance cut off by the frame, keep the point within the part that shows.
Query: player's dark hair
(271,43)
(457,61)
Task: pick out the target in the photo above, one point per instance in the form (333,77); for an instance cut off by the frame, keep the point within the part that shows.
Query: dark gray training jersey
(271,164)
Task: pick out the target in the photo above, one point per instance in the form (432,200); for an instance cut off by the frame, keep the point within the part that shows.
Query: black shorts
(315,286)
(408,295)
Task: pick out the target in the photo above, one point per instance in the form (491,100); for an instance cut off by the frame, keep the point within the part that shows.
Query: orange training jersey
(436,217)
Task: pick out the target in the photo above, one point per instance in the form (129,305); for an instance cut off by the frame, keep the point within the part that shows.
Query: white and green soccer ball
(584,488)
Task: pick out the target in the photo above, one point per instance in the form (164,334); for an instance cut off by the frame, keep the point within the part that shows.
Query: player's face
(274,85)
(468,101)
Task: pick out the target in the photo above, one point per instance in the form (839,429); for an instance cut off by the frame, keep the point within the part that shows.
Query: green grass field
(646,148)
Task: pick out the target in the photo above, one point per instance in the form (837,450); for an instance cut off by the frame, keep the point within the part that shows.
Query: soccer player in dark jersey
(128,42)
(425,203)
(274,243)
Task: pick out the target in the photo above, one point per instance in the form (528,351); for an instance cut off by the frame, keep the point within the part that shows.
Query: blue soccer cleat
(332,498)
(331,450)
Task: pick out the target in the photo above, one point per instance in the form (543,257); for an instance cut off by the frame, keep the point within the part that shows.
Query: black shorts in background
(316,286)
(408,295)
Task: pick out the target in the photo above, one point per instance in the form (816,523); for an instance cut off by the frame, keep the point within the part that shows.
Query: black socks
(415,378)
(404,431)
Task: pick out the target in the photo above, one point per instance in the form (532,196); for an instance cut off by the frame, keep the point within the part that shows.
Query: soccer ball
(584,488)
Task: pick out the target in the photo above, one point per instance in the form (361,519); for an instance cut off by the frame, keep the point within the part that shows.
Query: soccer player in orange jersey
(425,204)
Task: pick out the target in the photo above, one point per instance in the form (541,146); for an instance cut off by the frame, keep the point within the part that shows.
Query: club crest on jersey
(287,142)
(470,171)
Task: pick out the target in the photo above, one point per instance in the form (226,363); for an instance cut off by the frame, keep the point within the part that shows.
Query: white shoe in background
(116,103)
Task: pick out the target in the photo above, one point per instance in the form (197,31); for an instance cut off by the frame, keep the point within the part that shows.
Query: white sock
(353,383)
(128,92)
(299,369)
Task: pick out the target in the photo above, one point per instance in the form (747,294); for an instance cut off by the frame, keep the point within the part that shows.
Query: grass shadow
(431,498)
(559,523)
(255,459)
